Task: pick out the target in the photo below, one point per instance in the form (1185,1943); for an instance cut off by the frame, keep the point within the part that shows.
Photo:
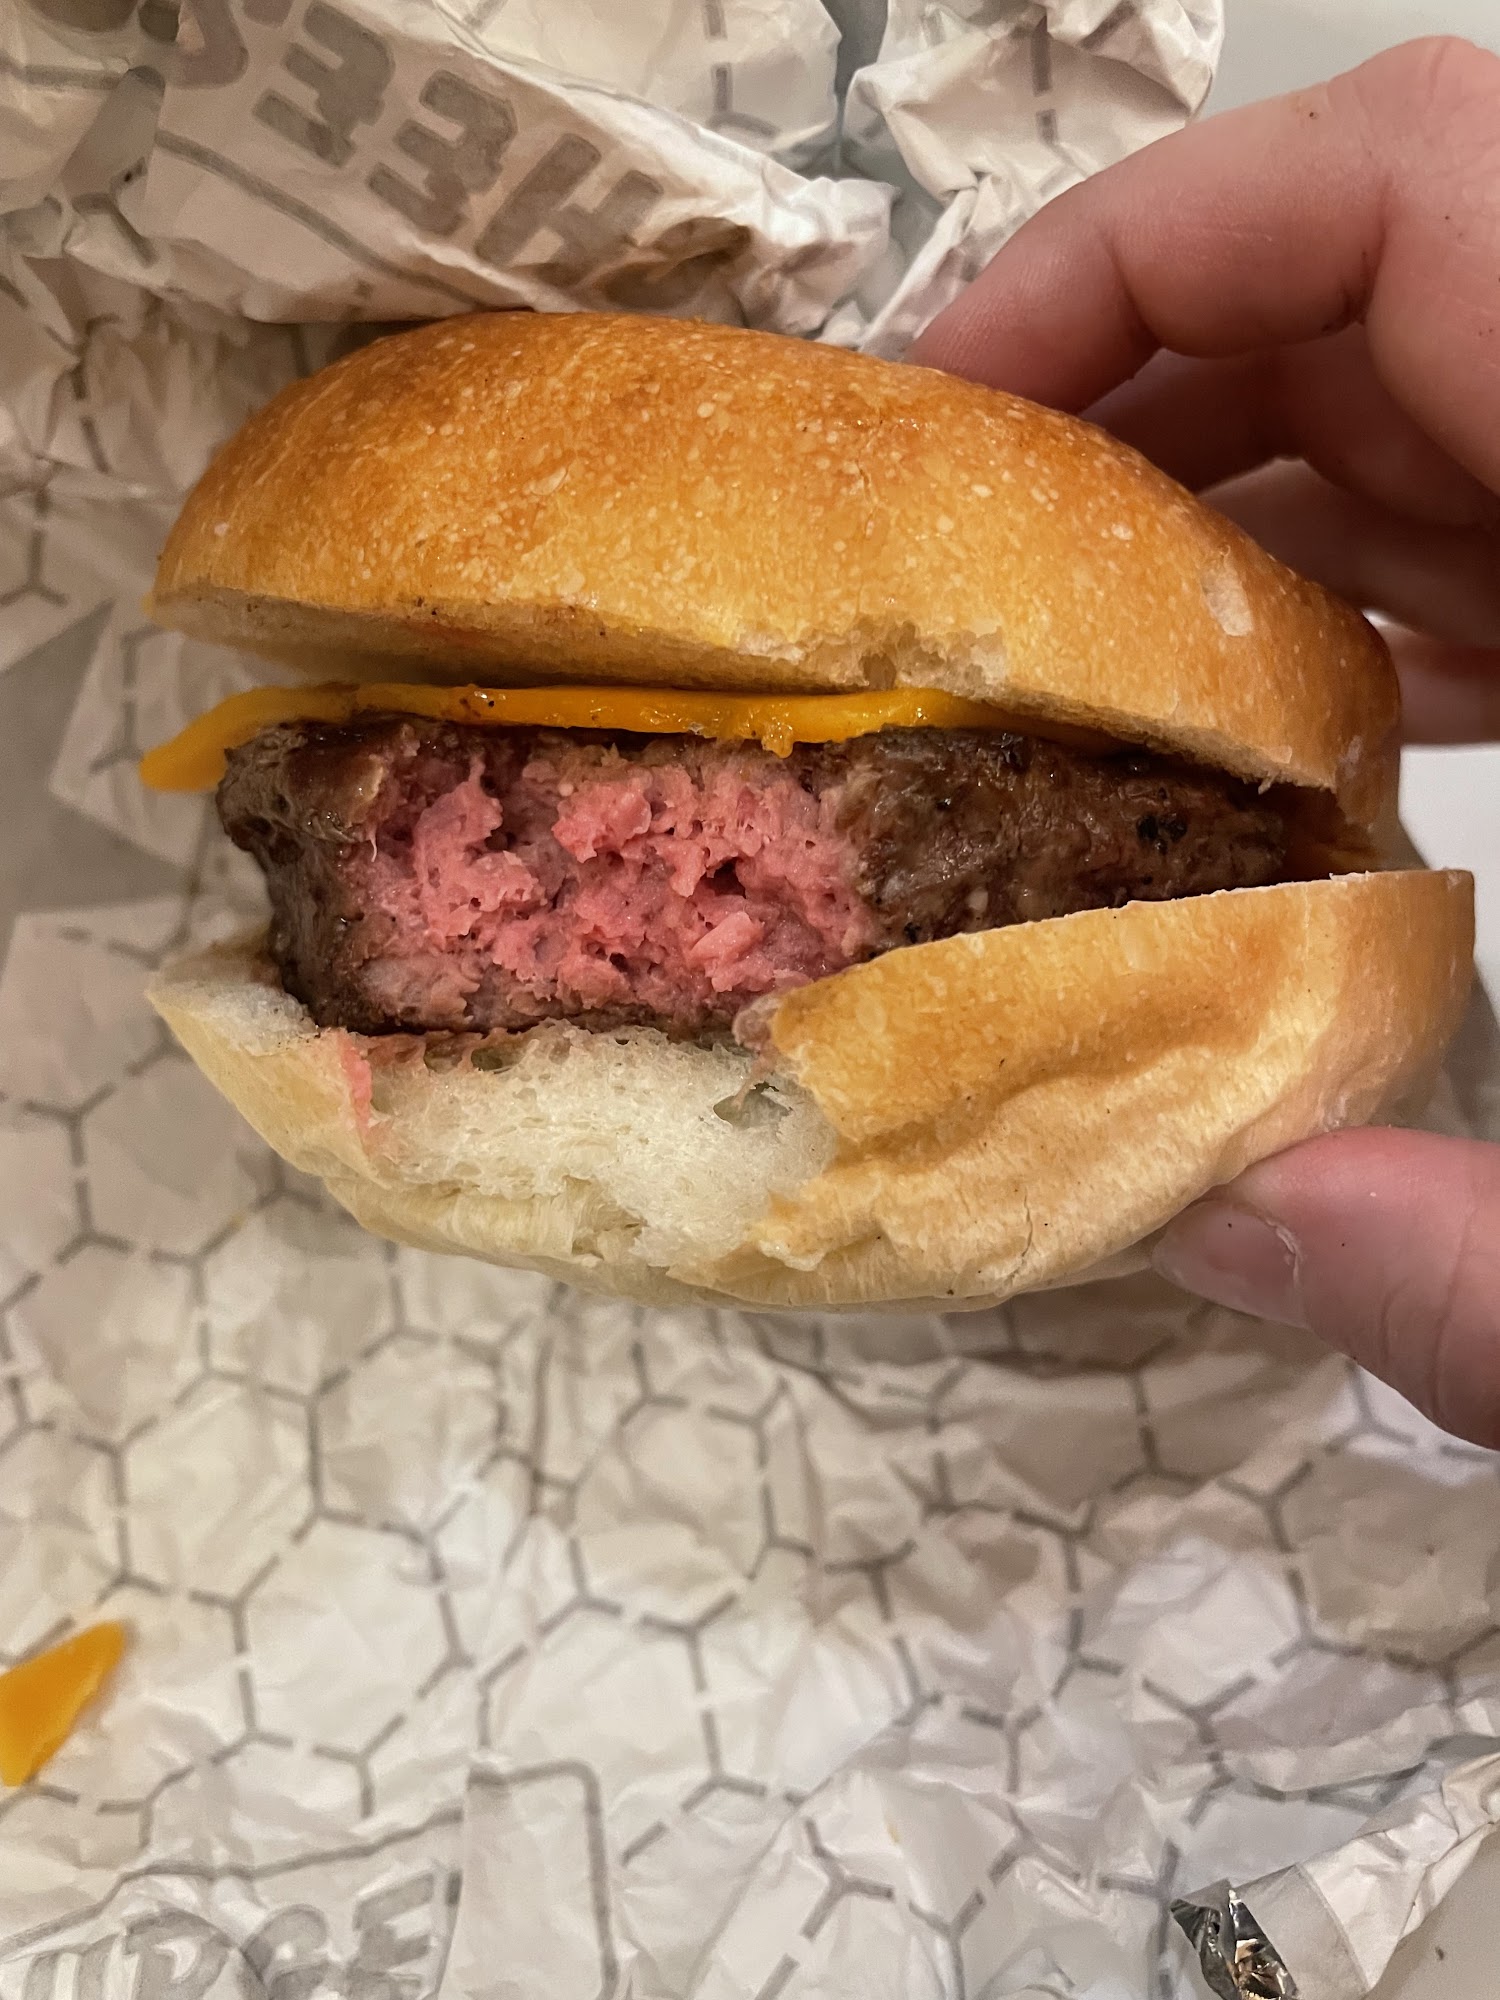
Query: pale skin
(1296,309)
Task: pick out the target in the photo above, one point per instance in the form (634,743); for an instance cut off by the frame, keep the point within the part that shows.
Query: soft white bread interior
(949,1124)
(590,497)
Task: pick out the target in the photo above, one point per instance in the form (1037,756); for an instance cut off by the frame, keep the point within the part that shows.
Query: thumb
(1386,1244)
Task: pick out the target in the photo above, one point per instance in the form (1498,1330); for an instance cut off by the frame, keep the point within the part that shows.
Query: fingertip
(1049,317)
(1392,1242)
(1225,1252)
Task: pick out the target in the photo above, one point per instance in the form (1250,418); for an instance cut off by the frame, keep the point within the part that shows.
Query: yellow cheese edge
(193,761)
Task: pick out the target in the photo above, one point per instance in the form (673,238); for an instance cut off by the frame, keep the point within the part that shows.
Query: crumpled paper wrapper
(489,1640)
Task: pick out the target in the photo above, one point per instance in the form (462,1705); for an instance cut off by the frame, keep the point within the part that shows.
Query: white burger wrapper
(488,1640)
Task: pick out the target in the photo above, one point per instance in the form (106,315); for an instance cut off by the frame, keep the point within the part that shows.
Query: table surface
(1450,798)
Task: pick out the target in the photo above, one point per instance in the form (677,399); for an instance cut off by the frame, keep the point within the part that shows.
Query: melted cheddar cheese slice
(194,760)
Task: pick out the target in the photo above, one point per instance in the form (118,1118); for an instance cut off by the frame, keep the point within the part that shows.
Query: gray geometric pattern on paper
(52,851)
(318,121)
(678,1653)
(428,1563)
(775,1633)
(441,297)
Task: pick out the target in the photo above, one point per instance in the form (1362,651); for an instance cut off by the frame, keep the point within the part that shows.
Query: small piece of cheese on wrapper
(41,1699)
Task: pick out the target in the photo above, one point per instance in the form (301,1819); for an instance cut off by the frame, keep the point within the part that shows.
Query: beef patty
(436,876)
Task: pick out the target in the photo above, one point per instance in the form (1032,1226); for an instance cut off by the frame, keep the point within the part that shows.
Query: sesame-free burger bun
(947,1125)
(598,498)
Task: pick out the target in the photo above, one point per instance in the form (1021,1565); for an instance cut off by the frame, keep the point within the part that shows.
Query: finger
(1449,694)
(1322,400)
(1370,198)
(1385,1244)
(1201,421)
(1443,581)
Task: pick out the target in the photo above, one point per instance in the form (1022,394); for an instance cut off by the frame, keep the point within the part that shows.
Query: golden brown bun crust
(606,498)
(959,1121)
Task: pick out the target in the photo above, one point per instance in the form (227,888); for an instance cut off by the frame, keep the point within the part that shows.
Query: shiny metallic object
(1239,1961)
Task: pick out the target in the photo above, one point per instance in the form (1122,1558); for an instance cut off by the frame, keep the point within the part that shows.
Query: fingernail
(1234,1257)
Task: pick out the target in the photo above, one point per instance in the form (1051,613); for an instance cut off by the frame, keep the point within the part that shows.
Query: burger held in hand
(769,826)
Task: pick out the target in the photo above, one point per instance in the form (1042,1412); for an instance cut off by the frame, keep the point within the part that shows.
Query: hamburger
(768,826)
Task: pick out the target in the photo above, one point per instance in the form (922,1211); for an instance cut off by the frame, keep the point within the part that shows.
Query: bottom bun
(943,1127)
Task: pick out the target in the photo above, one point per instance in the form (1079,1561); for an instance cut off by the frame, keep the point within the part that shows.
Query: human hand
(1295,309)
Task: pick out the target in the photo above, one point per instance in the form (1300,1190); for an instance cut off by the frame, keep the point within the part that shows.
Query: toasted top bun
(599,498)
(947,1125)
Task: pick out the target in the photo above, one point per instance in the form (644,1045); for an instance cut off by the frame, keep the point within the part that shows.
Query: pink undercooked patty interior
(661,887)
(432,876)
